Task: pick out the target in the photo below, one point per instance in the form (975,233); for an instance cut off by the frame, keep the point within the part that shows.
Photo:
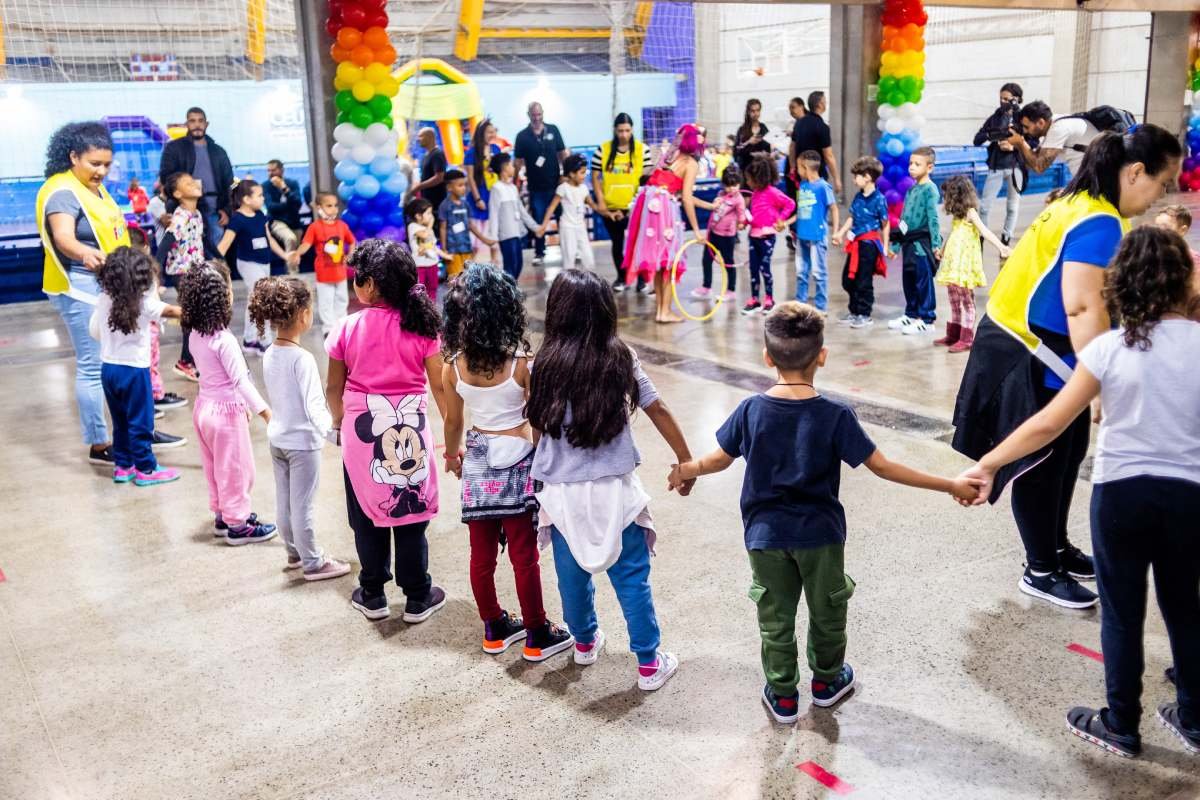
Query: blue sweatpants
(630,577)
(510,255)
(131,405)
(920,302)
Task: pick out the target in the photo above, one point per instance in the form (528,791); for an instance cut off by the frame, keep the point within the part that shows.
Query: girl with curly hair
(584,388)
(300,421)
(1146,493)
(771,211)
(487,372)
(224,404)
(383,362)
(127,305)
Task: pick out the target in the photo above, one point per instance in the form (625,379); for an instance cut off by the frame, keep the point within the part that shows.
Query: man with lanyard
(206,161)
(540,151)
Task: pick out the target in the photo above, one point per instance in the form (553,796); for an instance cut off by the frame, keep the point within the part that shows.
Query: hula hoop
(675,286)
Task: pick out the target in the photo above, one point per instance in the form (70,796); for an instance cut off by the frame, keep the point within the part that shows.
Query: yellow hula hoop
(675,286)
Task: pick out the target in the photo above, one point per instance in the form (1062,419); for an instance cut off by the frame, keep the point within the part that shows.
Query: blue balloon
(347,170)
(910,138)
(396,219)
(384,202)
(382,166)
(345,190)
(895,172)
(396,184)
(895,147)
(367,186)
(372,224)
(882,144)
(350,218)
(359,205)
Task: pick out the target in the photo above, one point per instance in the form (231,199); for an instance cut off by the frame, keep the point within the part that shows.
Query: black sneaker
(785,710)
(103,457)
(373,608)
(826,693)
(165,441)
(545,641)
(1076,563)
(420,610)
(501,633)
(170,400)
(1005,239)
(619,285)
(1088,724)
(250,533)
(1168,715)
(1058,588)
(221,529)
(1170,675)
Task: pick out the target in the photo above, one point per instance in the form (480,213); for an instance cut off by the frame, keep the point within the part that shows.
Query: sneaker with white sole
(1058,588)
(165,441)
(917,326)
(332,568)
(1168,715)
(826,693)
(373,607)
(501,633)
(785,710)
(653,676)
(729,296)
(846,319)
(587,654)
(862,321)
(546,640)
(250,533)
(701,293)
(1089,724)
(900,323)
(416,611)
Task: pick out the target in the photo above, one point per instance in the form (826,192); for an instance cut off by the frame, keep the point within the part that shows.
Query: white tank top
(494,408)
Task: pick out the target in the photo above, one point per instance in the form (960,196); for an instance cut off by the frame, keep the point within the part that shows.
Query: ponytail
(1099,172)
(394,272)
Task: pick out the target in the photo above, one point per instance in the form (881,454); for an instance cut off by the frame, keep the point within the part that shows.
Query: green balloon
(908,85)
(887,85)
(921,84)
(388,121)
(344,100)
(896,98)
(915,97)
(380,107)
(1196,82)
(361,117)
(343,116)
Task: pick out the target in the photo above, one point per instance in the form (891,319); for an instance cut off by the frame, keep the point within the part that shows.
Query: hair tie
(417,290)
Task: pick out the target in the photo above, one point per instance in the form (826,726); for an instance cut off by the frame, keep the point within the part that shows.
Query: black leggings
(374,545)
(724,245)
(616,232)
(1041,497)
(185,350)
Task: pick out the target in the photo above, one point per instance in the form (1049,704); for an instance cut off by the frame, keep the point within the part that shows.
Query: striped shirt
(598,164)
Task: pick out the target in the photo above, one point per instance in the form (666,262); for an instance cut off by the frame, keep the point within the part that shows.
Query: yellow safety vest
(103,214)
(621,182)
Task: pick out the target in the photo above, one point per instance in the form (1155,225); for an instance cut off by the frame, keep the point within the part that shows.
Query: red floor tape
(862,363)
(2,578)
(1086,651)
(827,779)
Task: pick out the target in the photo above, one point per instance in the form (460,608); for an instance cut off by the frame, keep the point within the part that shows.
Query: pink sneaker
(768,304)
(702,293)
(729,297)
(332,568)
(160,475)
(123,474)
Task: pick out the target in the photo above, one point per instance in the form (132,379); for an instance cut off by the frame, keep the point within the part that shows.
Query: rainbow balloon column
(365,148)
(901,81)
(1189,178)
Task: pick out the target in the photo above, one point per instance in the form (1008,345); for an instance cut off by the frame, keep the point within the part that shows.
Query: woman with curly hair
(1146,492)
(127,305)
(224,404)
(383,362)
(79,224)
(487,372)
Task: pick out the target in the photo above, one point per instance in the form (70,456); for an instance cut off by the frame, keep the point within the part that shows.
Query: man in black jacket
(283,209)
(202,158)
(1001,160)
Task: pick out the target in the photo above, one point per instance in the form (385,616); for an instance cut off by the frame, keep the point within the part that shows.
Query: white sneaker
(587,657)
(667,664)
(862,322)
(917,326)
(900,323)
(846,319)
(701,293)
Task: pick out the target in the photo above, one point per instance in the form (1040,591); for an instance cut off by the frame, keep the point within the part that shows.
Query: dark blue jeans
(761,250)
(510,256)
(538,203)
(131,405)
(919,299)
(1139,524)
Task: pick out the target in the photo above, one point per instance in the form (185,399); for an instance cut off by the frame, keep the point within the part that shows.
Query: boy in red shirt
(334,243)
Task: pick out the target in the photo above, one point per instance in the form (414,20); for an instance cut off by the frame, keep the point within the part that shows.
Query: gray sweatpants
(297,473)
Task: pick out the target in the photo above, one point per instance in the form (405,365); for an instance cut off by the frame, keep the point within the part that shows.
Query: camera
(1008,119)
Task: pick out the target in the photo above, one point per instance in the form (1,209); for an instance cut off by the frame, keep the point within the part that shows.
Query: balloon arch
(901,82)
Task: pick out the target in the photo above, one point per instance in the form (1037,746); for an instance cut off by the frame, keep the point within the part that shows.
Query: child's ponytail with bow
(395,275)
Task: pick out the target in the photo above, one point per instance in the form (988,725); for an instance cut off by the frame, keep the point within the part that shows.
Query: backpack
(1105,118)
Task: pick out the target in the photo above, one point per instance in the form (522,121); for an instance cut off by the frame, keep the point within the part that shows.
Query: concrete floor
(142,658)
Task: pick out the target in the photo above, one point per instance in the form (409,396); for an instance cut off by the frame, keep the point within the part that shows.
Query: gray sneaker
(846,319)
(862,322)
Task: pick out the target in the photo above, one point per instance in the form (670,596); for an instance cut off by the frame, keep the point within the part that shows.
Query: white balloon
(347,134)
(908,110)
(894,125)
(363,153)
(887,111)
(339,151)
(377,134)
(881,125)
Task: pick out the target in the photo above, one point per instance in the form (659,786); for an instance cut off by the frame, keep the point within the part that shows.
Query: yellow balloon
(349,73)
(375,73)
(889,60)
(340,84)
(363,91)
(388,87)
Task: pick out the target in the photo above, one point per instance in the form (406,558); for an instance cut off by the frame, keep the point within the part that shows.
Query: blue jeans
(919,299)
(131,403)
(538,203)
(89,392)
(510,256)
(630,577)
(811,257)
(761,250)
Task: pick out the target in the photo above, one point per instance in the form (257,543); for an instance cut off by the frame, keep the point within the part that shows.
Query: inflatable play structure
(436,95)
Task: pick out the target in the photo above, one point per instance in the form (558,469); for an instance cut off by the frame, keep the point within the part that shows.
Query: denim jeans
(510,256)
(538,203)
(996,178)
(917,277)
(630,577)
(89,391)
(812,258)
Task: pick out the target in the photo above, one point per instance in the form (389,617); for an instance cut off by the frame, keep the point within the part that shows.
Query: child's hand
(293,258)
(780,225)
(837,239)
(265,414)
(677,483)
(454,464)
(974,486)
(1005,251)
(937,253)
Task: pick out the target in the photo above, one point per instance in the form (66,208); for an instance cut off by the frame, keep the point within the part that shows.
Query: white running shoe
(900,323)
(667,664)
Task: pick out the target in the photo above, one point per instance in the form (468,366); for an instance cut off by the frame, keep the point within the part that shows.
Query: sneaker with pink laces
(332,568)
(160,475)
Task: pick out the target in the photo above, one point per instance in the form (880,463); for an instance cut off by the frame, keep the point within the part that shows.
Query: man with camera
(1001,159)
(1062,138)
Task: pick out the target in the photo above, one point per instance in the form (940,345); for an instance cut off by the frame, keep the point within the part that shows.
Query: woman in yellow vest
(617,169)
(1046,304)
(80,224)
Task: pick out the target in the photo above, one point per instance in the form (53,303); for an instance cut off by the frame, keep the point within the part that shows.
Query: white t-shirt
(1064,134)
(127,349)
(299,417)
(1151,403)
(423,245)
(573,206)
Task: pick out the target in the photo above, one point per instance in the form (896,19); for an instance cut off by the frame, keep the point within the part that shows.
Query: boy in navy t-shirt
(814,199)
(794,442)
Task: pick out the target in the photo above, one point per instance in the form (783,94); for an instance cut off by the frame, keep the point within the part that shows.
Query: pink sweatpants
(156,384)
(224,435)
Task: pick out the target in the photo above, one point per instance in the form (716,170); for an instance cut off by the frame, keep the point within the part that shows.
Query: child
(585,385)
(507,217)
(487,373)
(457,224)
(334,243)
(869,229)
(226,400)
(300,421)
(920,243)
(1146,492)
(726,219)
(771,211)
(575,199)
(127,304)
(1177,218)
(248,229)
(815,200)
(185,245)
(139,201)
(383,361)
(423,243)
(163,400)
(962,261)
(794,442)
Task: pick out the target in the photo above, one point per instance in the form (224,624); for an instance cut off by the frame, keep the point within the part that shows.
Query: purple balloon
(883,185)
(905,184)
(392,233)
(893,197)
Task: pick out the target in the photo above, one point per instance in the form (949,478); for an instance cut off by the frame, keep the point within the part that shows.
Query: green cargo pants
(779,578)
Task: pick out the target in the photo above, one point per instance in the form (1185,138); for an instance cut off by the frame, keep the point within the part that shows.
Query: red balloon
(377,19)
(373,5)
(354,16)
(332,27)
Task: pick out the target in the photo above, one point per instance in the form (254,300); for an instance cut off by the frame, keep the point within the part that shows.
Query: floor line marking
(825,778)
(1086,651)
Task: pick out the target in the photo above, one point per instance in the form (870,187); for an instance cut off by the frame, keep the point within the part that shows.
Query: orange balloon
(339,53)
(362,55)
(899,43)
(349,38)
(375,38)
(889,31)
(918,43)
(385,55)
(910,31)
